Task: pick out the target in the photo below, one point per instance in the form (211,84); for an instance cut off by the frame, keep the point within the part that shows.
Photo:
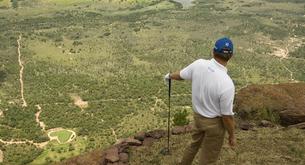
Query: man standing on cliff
(212,99)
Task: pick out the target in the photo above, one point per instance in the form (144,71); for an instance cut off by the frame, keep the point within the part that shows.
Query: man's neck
(224,63)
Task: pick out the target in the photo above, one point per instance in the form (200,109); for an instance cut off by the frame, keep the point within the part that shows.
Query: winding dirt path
(286,55)
(114,134)
(24,104)
(40,123)
(39,145)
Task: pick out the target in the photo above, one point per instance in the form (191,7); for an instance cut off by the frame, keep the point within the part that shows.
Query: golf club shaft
(169,113)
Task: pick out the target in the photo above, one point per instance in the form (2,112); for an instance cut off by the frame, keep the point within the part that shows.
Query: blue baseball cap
(223,46)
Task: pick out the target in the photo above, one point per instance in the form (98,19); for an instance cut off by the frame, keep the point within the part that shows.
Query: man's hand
(232,141)
(167,78)
(229,124)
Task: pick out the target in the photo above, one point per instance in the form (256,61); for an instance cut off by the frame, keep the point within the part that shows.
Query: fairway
(63,135)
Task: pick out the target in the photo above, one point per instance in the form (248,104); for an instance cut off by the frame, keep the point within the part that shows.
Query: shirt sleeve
(187,72)
(226,101)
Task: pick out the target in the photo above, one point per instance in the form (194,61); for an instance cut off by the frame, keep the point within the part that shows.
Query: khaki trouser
(208,135)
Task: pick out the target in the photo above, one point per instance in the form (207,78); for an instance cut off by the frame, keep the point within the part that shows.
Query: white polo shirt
(212,88)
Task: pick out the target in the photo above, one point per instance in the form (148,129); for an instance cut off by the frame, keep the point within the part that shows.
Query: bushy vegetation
(180,118)
(299,53)
(19,154)
(20,124)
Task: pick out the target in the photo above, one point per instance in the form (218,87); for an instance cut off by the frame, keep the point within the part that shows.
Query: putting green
(62,135)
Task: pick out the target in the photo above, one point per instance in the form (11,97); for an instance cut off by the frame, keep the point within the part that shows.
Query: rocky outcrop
(265,123)
(282,103)
(244,125)
(182,129)
(118,154)
(300,126)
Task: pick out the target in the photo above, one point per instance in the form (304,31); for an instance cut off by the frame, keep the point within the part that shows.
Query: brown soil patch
(78,101)
(40,123)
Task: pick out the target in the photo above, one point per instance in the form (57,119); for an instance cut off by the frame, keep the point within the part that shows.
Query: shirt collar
(218,65)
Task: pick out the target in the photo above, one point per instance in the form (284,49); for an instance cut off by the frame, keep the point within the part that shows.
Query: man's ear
(213,53)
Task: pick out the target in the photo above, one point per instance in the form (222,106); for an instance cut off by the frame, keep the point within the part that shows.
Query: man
(212,99)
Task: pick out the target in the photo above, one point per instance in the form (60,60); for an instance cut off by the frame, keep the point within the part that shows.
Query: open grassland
(113,55)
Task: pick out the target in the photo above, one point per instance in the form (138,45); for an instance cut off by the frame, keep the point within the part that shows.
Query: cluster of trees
(20,124)
(299,53)
(19,154)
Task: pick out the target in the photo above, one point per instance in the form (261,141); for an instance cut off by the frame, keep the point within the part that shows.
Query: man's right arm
(226,107)
(229,124)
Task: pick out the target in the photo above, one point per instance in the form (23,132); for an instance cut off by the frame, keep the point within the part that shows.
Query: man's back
(212,88)
(212,98)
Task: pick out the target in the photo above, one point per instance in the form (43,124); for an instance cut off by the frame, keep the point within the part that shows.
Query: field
(96,67)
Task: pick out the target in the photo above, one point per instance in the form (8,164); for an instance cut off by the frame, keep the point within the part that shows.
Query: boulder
(156,134)
(265,123)
(140,136)
(292,116)
(132,142)
(300,126)
(112,154)
(124,157)
(188,128)
(102,160)
(279,103)
(113,163)
(148,141)
(178,130)
(122,163)
(245,126)
(123,147)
